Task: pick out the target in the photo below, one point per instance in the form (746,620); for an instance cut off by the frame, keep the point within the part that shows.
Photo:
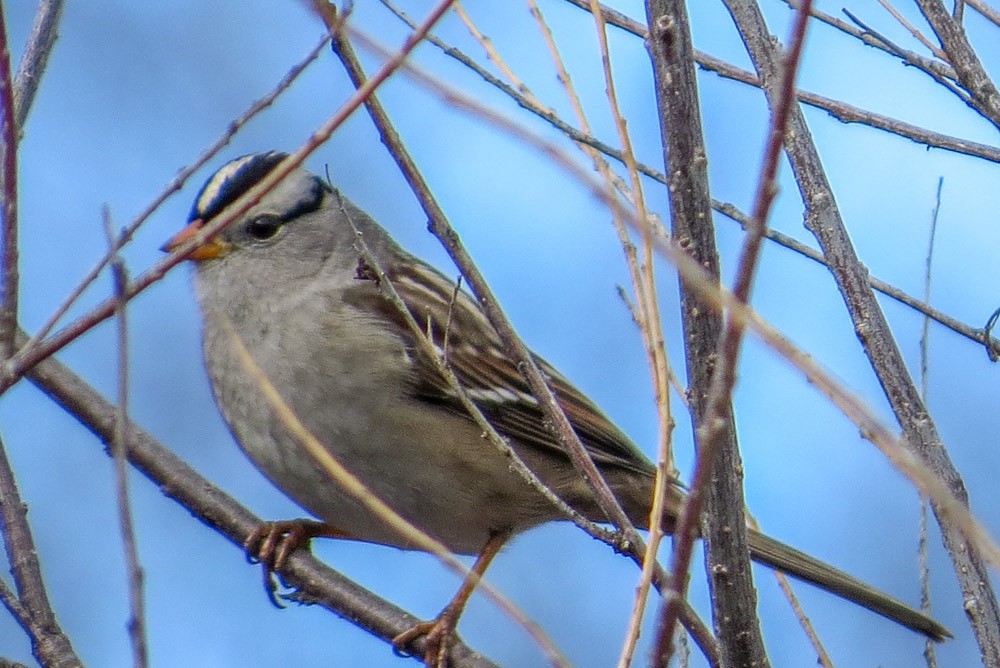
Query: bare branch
(28,356)
(988,12)
(49,644)
(925,585)
(36,57)
(938,53)
(983,94)
(174,186)
(836,108)
(977,334)
(8,209)
(717,463)
(316,582)
(824,221)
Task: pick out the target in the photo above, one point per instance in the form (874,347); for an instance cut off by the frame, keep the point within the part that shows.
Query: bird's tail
(775,554)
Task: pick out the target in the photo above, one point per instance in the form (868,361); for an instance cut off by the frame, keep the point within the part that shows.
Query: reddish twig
(8,209)
(440,228)
(715,421)
(633,545)
(27,357)
(174,186)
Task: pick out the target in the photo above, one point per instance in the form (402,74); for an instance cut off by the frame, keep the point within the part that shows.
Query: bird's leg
(271,543)
(438,632)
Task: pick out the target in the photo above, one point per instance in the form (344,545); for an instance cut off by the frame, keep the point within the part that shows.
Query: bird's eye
(264,227)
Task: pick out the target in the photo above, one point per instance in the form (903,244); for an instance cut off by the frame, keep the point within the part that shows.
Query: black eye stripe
(309,202)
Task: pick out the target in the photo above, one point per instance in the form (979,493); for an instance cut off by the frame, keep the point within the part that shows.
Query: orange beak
(211,248)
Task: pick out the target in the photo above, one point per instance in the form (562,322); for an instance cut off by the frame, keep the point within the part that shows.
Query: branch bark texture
(734,599)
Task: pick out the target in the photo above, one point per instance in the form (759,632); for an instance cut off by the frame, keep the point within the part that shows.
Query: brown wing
(457,326)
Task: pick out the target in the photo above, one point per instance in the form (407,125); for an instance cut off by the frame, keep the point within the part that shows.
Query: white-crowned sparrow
(286,275)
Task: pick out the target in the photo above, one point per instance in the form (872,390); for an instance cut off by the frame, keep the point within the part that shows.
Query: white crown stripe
(219,180)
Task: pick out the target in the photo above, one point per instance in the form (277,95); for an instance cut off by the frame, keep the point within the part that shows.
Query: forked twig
(917,35)
(31,607)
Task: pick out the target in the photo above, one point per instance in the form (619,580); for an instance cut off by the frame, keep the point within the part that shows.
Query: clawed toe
(438,635)
(271,543)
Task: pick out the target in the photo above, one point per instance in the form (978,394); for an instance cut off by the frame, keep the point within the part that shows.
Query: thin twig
(137,616)
(317,583)
(925,324)
(491,53)
(350,484)
(924,444)
(29,356)
(936,69)
(36,57)
(345,52)
(983,95)
(8,208)
(50,646)
(174,186)
(822,658)
(925,586)
(988,12)
(716,421)
(917,35)
(976,334)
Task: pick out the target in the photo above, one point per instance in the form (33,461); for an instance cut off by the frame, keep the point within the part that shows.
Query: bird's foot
(438,634)
(271,543)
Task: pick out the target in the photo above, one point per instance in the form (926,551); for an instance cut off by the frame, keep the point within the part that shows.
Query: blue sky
(135,91)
